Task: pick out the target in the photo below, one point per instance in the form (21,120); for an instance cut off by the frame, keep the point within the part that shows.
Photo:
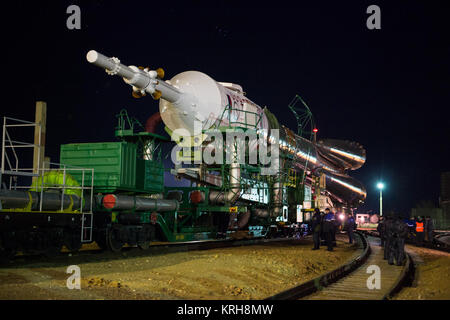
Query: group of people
(324,226)
(421,228)
(394,231)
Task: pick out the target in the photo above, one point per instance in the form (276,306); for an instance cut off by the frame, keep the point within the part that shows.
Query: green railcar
(116,165)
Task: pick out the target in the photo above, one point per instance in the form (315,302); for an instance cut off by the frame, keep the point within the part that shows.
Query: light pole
(380,186)
(315,133)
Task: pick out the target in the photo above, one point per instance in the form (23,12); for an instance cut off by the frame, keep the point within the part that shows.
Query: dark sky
(388,89)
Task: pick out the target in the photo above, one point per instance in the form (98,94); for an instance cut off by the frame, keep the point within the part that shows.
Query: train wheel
(101,239)
(145,236)
(53,250)
(72,240)
(6,252)
(74,246)
(114,242)
(53,239)
(144,245)
(102,244)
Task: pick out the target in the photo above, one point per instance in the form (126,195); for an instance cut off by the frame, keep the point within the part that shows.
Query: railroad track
(156,249)
(437,243)
(441,242)
(349,281)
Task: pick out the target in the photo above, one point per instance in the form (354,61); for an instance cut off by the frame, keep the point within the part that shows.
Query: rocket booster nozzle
(142,81)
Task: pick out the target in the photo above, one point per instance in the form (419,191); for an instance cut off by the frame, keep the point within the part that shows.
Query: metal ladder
(84,235)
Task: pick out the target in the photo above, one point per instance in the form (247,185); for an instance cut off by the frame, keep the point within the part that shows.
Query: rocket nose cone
(92,56)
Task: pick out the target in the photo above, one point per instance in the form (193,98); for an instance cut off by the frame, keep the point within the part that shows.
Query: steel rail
(405,279)
(325,280)
(304,290)
(435,245)
(160,248)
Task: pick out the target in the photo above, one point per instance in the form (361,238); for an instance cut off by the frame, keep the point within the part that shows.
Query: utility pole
(39,136)
(380,186)
(381,202)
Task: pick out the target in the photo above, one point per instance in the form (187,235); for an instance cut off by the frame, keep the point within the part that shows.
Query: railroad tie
(354,286)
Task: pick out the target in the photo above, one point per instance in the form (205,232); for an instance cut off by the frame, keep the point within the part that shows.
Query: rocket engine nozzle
(345,154)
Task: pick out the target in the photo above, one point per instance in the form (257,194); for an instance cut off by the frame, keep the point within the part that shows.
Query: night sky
(388,89)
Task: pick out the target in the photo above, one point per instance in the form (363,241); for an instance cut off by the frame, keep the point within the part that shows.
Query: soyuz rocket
(193,97)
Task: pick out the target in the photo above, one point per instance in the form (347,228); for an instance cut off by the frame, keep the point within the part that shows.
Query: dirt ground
(432,275)
(248,272)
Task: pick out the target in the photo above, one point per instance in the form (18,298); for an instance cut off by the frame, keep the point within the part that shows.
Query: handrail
(228,109)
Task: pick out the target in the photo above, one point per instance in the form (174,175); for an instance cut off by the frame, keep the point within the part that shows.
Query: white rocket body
(205,101)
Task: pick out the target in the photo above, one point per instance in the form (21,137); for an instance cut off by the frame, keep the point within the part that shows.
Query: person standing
(401,232)
(388,231)
(420,231)
(316,228)
(350,226)
(381,232)
(411,227)
(329,221)
(337,224)
(322,234)
(430,229)
(392,230)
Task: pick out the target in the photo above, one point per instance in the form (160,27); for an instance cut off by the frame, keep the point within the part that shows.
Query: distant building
(445,187)
(441,215)
(444,202)
(440,219)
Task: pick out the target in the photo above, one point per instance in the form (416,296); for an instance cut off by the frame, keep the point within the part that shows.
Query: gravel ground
(432,280)
(252,272)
